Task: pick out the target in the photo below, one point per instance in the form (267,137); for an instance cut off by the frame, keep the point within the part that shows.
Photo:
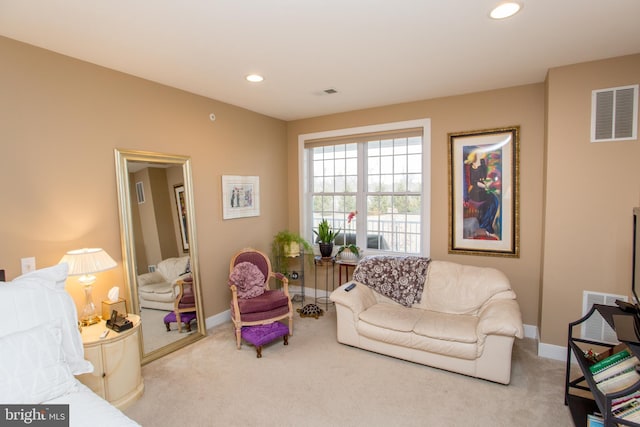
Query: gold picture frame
(484,199)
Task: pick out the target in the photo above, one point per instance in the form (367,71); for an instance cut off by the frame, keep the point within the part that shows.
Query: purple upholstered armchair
(253,303)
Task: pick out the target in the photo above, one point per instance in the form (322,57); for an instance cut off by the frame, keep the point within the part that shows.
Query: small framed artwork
(240,196)
(484,192)
(182,216)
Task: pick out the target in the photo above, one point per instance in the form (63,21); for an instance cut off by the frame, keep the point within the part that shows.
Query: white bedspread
(88,409)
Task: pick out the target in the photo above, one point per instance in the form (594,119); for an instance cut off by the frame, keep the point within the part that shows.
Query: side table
(117,374)
(346,265)
(324,263)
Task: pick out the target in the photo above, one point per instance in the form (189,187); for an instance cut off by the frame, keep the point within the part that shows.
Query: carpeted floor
(154,332)
(315,381)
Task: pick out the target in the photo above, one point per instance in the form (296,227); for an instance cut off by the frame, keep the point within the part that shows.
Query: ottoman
(185,317)
(260,335)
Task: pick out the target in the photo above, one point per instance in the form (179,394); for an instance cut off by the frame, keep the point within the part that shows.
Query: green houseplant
(326,236)
(286,245)
(351,247)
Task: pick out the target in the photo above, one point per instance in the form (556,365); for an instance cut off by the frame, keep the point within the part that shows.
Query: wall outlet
(28,264)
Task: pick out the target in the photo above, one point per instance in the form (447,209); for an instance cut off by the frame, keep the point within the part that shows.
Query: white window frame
(305,187)
(633,114)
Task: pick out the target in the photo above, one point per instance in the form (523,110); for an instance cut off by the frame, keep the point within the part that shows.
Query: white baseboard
(531,331)
(309,292)
(551,351)
(218,319)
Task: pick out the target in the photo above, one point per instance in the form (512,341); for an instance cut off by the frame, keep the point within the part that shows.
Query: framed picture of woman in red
(484,192)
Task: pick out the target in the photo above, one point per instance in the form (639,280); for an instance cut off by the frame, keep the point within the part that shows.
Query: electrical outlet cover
(28,264)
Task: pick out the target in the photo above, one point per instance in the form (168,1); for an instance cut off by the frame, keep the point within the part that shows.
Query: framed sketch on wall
(484,192)
(240,196)
(182,215)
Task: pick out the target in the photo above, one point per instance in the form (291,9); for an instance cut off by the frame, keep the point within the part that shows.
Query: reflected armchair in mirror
(184,307)
(158,289)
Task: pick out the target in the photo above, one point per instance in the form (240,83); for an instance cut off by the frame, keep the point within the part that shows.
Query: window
(380,172)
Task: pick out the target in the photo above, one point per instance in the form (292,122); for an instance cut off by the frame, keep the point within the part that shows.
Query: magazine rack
(581,394)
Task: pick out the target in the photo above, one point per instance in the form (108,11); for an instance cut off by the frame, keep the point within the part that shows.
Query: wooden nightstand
(117,376)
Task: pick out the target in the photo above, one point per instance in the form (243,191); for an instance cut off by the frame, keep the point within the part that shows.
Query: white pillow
(39,297)
(53,277)
(33,367)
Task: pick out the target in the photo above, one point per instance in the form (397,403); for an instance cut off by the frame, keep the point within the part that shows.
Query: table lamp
(83,263)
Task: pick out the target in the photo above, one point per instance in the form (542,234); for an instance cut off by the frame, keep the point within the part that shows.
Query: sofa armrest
(500,317)
(183,276)
(357,299)
(145,279)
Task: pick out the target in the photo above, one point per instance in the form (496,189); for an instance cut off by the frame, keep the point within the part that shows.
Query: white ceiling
(373,52)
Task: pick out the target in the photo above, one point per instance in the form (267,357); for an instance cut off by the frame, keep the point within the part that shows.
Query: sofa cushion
(448,327)
(460,289)
(390,316)
(147,279)
(172,268)
(159,289)
(269,300)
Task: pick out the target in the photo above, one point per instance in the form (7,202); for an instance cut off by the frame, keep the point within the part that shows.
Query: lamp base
(88,315)
(89,321)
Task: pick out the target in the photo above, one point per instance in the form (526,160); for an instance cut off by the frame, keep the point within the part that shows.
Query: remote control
(104,334)
(351,286)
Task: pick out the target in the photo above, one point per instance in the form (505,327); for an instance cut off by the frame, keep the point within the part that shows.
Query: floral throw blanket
(400,278)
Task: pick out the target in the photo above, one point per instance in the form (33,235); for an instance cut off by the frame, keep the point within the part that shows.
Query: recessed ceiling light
(254,78)
(505,10)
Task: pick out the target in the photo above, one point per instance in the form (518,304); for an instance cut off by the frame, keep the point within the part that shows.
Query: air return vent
(596,328)
(614,114)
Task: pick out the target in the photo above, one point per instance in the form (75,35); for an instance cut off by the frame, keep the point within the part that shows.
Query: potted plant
(326,237)
(286,245)
(349,251)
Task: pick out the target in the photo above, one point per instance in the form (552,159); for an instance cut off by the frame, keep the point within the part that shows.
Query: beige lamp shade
(83,263)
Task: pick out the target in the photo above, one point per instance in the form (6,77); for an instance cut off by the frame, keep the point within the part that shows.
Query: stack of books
(616,372)
(627,407)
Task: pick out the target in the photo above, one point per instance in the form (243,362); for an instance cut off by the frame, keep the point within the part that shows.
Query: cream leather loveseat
(158,289)
(465,322)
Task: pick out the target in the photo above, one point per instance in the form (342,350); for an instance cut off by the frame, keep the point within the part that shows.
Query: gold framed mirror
(159,246)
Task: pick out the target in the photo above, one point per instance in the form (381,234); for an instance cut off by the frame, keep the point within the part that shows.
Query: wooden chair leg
(238,338)
(179,321)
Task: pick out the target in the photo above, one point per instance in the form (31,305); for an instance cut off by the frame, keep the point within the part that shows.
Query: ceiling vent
(330,91)
(614,114)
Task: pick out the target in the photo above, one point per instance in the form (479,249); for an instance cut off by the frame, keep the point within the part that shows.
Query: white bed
(41,350)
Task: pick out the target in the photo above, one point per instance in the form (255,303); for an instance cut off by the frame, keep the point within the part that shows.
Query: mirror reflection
(159,251)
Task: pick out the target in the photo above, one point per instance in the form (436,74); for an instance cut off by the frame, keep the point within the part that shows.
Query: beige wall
(590,192)
(522,106)
(60,121)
